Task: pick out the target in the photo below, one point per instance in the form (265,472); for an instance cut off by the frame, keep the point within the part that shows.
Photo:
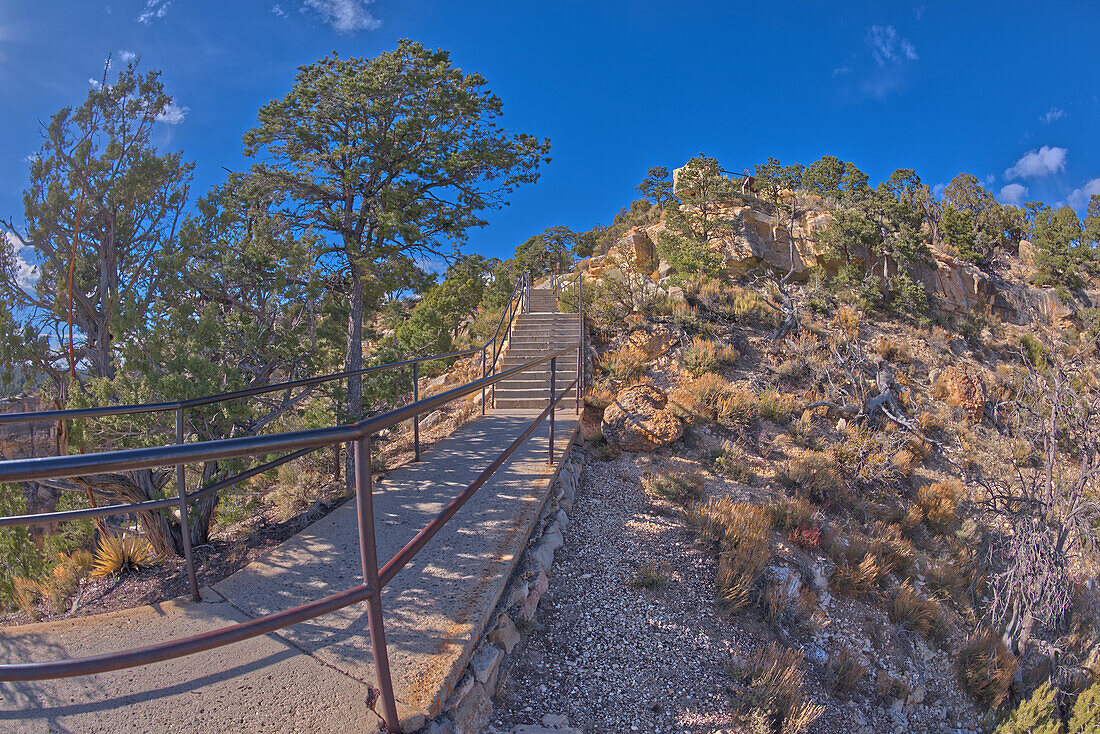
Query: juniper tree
(399,153)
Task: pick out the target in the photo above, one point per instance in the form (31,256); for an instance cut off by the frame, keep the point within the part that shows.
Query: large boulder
(637,249)
(639,421)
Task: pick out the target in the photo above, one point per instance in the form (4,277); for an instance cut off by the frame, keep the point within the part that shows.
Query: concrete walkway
(314,677)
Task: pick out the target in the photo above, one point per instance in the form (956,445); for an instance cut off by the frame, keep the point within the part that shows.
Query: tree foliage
(701,189)
(399,153)
(103,206)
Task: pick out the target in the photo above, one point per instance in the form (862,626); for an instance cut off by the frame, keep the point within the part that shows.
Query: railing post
(483,377)
(416,418)
(553,370)
(368,555)
(580,339)
(185,528)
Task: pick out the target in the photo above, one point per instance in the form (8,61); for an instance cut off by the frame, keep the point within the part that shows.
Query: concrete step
(540,393)
(528,353)
(527,403)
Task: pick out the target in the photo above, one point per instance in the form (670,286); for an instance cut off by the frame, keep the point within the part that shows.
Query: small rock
(505,633)
(485,661)
(555,721)
(432,419)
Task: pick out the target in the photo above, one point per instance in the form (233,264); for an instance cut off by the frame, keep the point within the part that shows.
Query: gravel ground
(617,659)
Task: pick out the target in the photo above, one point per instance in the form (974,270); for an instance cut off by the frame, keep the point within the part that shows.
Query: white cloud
(1079,199)
(938,190)
(173,114)
(345,16)
(93,82)
(26,274)
(153,10)
(841,70)
(887,47)
(127,56)
(1013,194)
(989,179)
(1042,162)
(277,9)
(1054,113)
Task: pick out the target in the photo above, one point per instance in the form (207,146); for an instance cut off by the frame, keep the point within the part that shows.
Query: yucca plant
(126,553)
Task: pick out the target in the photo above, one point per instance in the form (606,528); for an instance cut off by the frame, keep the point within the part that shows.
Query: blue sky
(1007,91)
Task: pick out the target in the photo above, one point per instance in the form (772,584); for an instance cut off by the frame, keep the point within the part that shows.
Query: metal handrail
(75,465)
(298,443)
(276,620)
(98,412)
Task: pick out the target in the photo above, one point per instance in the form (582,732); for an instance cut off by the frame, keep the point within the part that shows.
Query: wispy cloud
(1013,194)
(173,114)
(888,47)
(277,10)
(1042,162)
(881,66)
(1054,113)
(153,10)
(127,56)
(345,16)
(26,274)
(938,190)
(1079,198)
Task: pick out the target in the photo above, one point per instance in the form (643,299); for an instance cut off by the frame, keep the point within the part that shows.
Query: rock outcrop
(639,421)
(655,340)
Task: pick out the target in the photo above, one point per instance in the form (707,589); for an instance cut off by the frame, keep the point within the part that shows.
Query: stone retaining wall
(470,706)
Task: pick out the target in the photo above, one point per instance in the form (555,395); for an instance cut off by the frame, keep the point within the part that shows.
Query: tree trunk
(354,361)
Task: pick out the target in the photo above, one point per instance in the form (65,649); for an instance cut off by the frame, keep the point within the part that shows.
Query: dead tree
(1040,506)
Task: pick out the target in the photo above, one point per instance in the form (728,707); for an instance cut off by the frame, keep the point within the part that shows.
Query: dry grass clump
(914,612)
(891,350)
(986,668)
(859,579)
(847,320)
(815,476)
(116,554)
(298,483)
(802,434)
(889,541)
(709,398)
(703,355)
(773,698)
(790,512)
(742,532)
(946,580)
(774,406)
(860,566)
(889,687)
(679,486)
(599,395)
(940,503)
(792,370)
(870,456)
(731,461)
(625,363)
(652,575)
(56,587)
(843,671)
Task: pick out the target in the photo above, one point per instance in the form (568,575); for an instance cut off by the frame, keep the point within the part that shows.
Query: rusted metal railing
(295,444)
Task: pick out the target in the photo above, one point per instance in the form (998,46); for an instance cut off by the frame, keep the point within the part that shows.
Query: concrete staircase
(537,333)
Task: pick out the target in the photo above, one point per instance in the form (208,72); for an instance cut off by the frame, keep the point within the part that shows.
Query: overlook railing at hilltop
(295,444)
